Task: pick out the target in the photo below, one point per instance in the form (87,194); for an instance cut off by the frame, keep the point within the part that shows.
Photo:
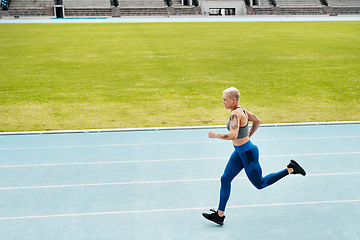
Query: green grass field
(114,75)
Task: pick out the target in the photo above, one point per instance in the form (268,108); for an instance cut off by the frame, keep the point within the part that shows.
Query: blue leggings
(245,156)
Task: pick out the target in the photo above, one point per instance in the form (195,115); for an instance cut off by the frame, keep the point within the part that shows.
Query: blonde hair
(233,93)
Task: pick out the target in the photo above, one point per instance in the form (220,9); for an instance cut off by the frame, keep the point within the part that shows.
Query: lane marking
(153,182)
(168,160)
(111,162)
(177,209)
(167,143)
(109,184)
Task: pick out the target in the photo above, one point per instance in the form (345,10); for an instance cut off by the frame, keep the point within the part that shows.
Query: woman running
(246,154)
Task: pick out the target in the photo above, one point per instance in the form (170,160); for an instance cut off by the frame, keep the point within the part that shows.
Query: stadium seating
(4,4)
(303,11)
(264,3)
(142,3)
(86,3)
(29,7)
(160,7)
(159,11)
(298,3)
(344,3)
(300,7)
(31,4)
(348,7)
(87,8)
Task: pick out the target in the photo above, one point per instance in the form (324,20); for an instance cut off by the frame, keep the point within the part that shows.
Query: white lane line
(112,162)
(168,143)
(332,174)
(109,184)
(154,182)
(168,160)
(107,145)
(308,154)
(295,203)
(178,209)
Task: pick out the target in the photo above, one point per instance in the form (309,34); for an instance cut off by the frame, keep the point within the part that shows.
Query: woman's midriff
(241,141)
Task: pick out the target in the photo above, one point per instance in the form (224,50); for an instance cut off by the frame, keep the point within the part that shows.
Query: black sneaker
(214,217)
(297,168)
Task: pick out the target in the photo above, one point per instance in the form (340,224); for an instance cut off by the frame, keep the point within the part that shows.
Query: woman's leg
(233,167)
(253,169)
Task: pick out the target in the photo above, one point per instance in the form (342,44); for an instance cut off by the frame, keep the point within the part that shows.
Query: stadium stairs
(90,8)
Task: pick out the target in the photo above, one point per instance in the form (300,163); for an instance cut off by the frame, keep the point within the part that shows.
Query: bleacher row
(161,7)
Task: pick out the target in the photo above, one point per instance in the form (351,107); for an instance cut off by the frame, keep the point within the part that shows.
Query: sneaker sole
(220,223)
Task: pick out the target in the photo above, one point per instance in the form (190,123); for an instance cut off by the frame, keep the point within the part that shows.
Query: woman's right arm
(234,129)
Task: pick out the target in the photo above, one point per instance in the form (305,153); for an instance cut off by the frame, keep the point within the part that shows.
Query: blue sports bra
(243,131)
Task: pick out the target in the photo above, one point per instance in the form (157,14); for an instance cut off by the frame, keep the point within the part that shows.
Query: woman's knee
(258,186)
(256,179)
(226,179)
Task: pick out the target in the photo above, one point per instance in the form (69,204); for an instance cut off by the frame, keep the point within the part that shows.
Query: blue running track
(155,184)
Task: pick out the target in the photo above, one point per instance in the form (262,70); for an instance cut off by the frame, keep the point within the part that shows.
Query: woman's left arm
(255,120)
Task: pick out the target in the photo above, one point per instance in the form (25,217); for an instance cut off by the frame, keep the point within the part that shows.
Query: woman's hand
(212,134)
